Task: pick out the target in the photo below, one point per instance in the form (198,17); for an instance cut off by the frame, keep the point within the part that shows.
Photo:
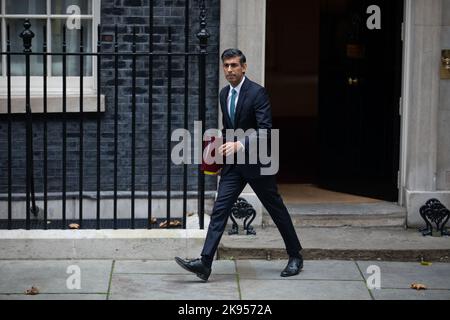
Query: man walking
(245,105)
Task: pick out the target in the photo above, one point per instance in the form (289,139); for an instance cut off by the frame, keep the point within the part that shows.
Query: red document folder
(210,167)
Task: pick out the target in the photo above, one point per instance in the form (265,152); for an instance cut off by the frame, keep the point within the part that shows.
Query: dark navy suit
(253,111)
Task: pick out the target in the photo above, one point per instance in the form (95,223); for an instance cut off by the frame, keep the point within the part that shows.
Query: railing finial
(203,34)
(27,36)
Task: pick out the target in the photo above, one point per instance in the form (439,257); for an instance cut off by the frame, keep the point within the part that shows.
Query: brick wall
(126,13)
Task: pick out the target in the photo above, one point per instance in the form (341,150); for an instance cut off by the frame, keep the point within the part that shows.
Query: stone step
(155,244)
(122,244)
(376,214)
(345,243)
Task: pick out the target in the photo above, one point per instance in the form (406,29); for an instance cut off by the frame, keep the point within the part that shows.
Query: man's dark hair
(232,53)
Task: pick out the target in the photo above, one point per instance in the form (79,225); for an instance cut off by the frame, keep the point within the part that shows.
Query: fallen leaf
(190,214)
(74,226)
(32,292)
(163,224)
(418,286)
(174,223)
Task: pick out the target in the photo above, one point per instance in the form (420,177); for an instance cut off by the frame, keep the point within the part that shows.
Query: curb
(432,255)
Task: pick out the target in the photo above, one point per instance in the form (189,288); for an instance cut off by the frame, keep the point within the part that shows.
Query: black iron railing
(30,196)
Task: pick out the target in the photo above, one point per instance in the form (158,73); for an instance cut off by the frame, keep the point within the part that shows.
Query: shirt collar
(238,87)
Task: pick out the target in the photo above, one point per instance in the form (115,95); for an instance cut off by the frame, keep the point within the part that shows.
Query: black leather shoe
(195,266)
(294,266)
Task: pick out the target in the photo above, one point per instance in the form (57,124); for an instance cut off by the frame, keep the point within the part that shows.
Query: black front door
(359,94)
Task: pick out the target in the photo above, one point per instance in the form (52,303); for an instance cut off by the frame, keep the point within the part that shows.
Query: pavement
(230,280)
(344,263)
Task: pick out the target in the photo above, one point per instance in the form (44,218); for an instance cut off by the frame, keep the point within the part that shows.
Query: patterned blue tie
(233,105)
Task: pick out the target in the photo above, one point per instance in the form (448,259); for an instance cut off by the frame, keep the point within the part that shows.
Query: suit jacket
(253,111)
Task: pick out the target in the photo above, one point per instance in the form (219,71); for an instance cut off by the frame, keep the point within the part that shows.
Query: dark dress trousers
(253,111)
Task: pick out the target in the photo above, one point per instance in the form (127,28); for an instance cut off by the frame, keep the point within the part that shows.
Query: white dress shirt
(238,90)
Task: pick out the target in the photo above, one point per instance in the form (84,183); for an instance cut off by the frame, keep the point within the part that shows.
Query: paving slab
(168,267)
(54,297)
(409,294)
(173,287)
(303,290)
(400,275)
(312,270)
(50,276)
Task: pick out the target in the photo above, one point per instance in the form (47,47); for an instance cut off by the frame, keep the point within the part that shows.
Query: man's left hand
(230,148)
